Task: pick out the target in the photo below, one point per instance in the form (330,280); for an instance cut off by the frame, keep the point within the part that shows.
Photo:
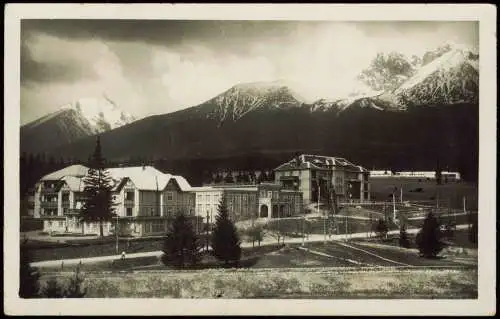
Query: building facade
(317,176)
(146,201)
(246,202)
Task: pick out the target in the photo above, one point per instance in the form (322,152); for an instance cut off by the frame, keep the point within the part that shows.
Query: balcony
(129,202)
(49,191)
(48,204)
(72,211)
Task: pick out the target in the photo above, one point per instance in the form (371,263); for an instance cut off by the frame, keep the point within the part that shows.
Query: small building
(317,176)
(380,173)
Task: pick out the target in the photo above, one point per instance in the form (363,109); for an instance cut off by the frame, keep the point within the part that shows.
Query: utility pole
(393,208)
(208,226)
(346,227)
(324,218)
(116,233)
(303,226)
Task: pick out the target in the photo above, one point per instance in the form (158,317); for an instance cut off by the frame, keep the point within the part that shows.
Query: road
(312,239)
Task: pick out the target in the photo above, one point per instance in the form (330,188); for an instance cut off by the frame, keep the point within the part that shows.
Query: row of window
(292,173)
(214,198)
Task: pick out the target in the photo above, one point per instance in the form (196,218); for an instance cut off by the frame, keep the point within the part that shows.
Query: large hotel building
(147,199)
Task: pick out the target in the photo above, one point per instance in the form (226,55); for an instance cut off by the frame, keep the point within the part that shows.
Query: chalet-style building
(315,175)
(146,200)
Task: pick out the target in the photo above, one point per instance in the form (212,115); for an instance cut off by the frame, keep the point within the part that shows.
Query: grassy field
(449,194)
(42,250)
(308,282)
(459,238)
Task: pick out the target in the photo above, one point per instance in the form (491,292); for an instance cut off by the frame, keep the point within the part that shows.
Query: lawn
(294,227)
(284,283)
(459,238)
(42,250)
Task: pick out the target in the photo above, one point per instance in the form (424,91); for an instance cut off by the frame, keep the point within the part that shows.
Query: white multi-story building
(315,175)
(146,200)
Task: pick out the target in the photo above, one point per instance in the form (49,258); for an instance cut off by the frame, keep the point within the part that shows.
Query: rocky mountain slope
(430,114)
(82,118)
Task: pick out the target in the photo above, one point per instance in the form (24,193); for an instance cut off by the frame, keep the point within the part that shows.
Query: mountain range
(428,114)
(71,122)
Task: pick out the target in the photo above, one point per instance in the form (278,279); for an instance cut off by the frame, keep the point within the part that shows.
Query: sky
(159,66)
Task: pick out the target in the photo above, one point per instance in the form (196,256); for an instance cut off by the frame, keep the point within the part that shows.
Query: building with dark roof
(321,176)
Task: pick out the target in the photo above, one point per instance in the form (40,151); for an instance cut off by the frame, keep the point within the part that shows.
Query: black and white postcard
(250,159)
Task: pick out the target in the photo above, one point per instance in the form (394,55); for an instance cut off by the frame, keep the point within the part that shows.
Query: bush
(428,239)
(256,234)
(52,289)
(75,288)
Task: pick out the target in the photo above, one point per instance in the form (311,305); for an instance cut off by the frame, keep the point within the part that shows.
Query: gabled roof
(143,177)
(73,170)
(75,184)
(320,162)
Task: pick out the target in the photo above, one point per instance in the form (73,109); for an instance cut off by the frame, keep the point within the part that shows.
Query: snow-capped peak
(101,113)
(445,62)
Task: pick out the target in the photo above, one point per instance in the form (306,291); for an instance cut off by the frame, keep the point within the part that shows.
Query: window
(244,198)
(269,194)
(275,194)
(61,223)
(263,194)
(129,211)
(170,196)
(158,227)
(65,197)
(129,196)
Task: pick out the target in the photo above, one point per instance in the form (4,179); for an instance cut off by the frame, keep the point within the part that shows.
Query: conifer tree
(182,245)
(403,237)
(225,239)
(98,204)
(381,228)
(75,288)
(428,239)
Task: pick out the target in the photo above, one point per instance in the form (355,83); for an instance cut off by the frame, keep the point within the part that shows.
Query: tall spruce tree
(182,245)
(98,204)
(225,239)
(428,239)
